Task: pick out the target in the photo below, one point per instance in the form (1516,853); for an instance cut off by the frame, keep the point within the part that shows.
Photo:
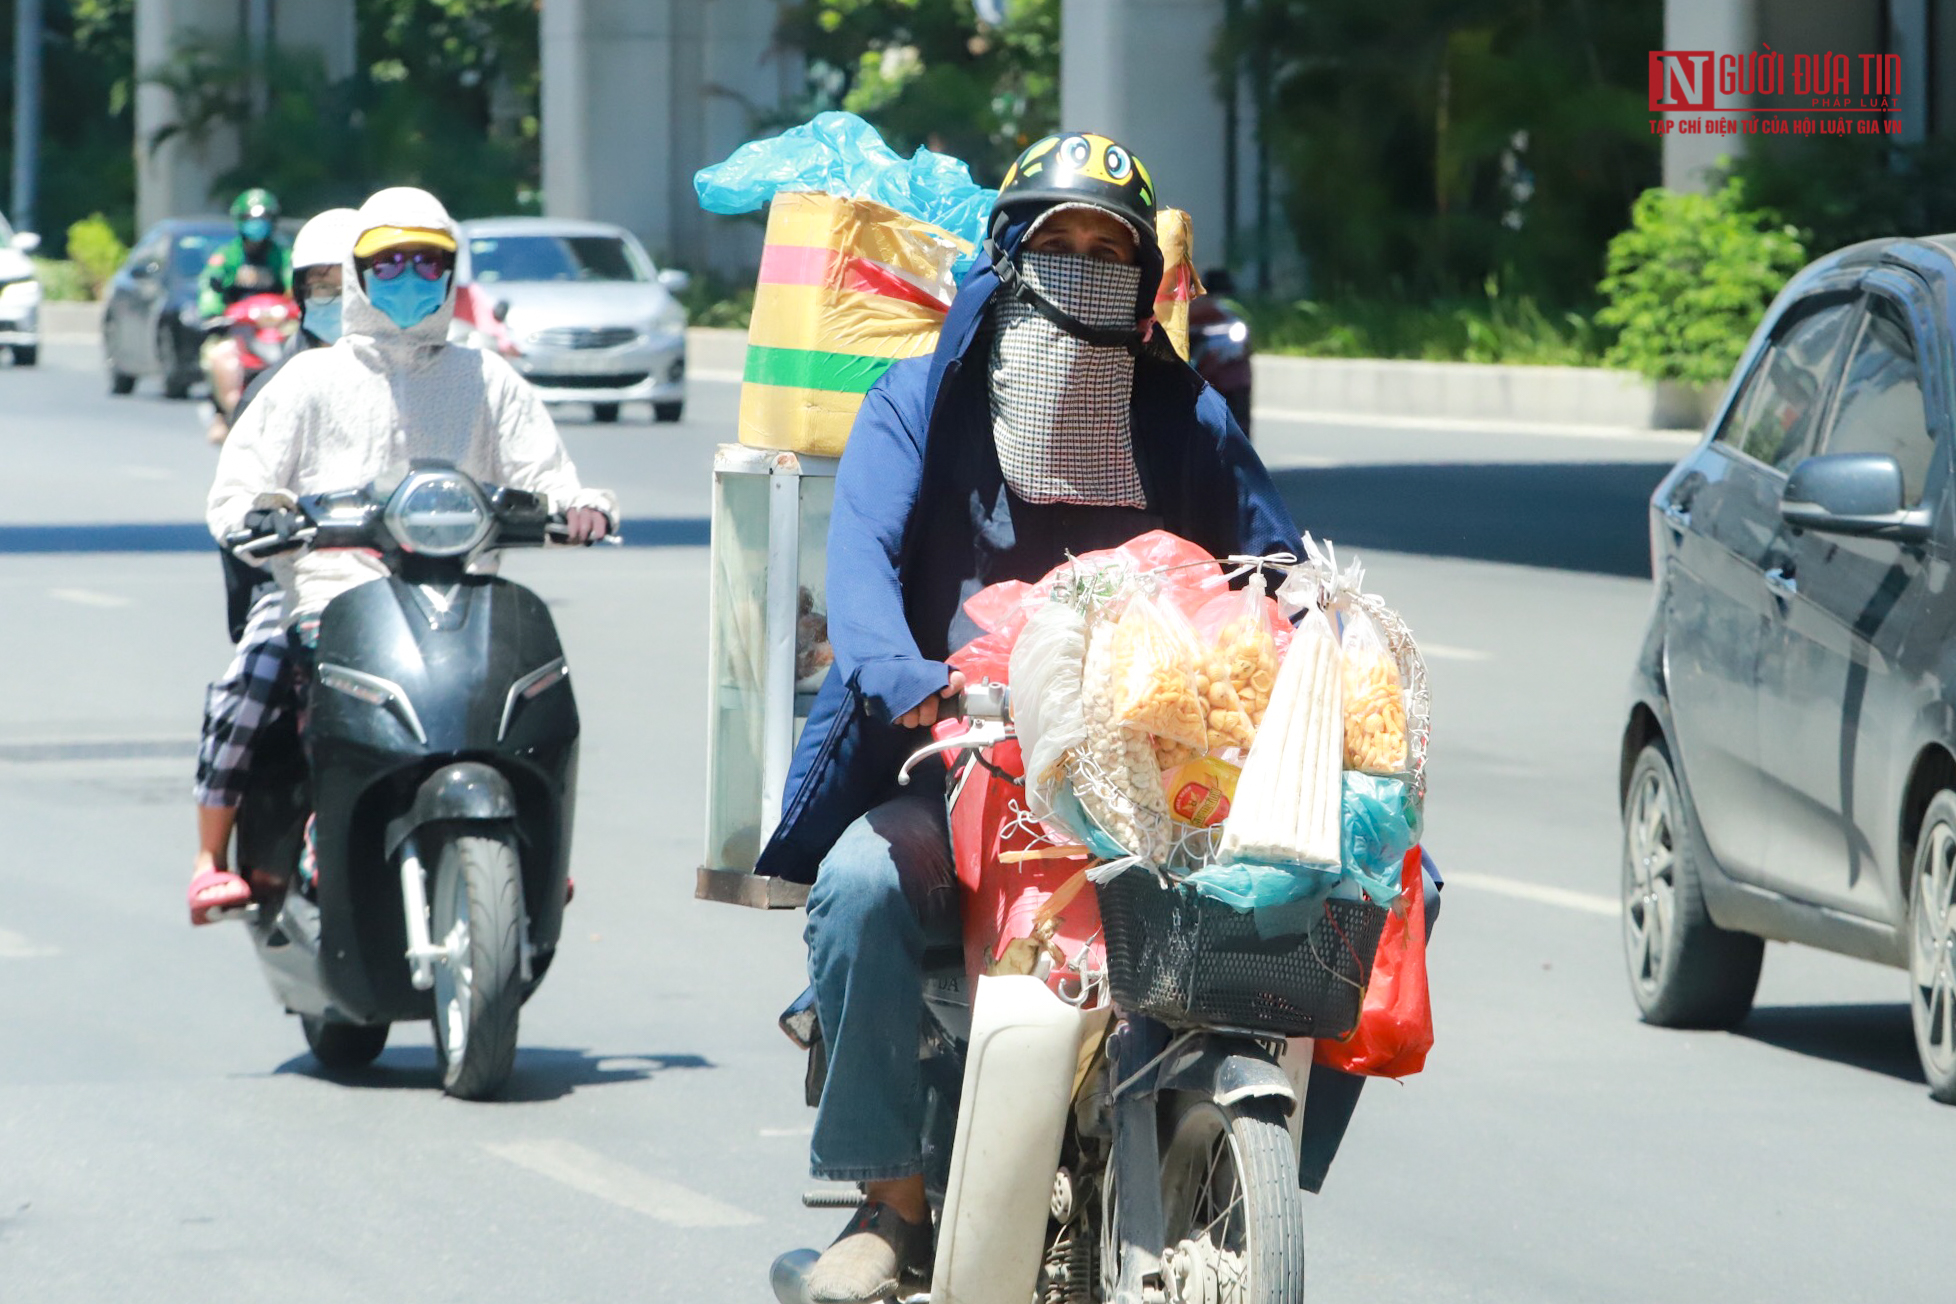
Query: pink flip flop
(213,893)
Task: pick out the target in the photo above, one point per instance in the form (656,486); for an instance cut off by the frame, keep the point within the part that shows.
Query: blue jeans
(886,893)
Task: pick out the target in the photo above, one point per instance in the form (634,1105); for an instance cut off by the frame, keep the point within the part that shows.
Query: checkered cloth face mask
(1061,407)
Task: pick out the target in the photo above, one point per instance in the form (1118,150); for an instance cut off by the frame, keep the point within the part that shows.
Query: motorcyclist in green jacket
(256,262)
(257,246)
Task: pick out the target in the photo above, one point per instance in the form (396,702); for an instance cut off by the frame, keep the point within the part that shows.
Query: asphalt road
(163,1135)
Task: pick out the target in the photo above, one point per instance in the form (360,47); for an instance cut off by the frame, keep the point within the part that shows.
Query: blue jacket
(908,516)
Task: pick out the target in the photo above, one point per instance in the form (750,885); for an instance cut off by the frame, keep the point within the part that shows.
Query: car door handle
(1782,583)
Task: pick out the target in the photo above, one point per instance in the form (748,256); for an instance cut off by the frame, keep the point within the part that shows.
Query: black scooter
(440,742)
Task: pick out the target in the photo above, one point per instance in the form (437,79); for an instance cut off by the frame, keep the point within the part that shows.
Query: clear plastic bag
(1236,670)
(1048,661)
(1375,699)
(1290,798)
(1153,655)
(1117,779)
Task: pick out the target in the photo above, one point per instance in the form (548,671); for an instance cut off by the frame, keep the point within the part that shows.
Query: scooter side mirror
(501,311)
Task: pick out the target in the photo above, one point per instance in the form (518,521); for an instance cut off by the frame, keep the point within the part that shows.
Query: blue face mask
(255,229)
(407,299)
(322,318)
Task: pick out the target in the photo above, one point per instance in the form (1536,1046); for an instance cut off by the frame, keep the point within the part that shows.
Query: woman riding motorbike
(1053,418)
(392,390)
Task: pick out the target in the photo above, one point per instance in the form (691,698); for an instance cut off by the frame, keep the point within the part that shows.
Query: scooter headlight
(438,514)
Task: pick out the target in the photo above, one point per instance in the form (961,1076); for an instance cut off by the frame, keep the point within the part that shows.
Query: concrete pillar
(1139,71)
(640,94)
(176,179)
(1722,26)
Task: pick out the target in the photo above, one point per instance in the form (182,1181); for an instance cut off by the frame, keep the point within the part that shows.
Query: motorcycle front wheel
(1231,1207)
(478,917)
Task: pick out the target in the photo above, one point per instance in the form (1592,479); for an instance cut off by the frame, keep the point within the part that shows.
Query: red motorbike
(1114,1077)
(255,334)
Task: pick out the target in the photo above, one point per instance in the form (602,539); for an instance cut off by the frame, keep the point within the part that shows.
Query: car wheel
(604,413)
(26,355)
(1685,971)
(121,382)
(176,380)
(668,413)
(1932,948)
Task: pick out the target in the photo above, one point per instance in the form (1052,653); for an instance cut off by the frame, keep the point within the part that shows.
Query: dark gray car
(1789,763)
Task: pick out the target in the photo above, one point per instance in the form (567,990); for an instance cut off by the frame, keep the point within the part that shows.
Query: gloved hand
(281,521)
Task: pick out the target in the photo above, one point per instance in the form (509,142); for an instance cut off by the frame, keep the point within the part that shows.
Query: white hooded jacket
(361,410)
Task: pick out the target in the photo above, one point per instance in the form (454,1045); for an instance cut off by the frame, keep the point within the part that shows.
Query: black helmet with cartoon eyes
(1078,168)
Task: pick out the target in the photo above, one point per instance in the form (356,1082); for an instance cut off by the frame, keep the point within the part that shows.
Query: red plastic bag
(1191,578)
(1395,1026)
(1004,902)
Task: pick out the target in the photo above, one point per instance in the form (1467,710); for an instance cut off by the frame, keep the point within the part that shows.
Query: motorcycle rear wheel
(1232,1210)
(478,914)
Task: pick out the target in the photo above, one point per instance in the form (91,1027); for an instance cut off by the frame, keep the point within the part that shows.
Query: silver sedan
(579,309)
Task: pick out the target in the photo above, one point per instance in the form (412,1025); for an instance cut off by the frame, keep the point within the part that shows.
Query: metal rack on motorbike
(1139,1098)
(768,652)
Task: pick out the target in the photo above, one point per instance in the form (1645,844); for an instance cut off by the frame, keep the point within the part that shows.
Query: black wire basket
(1191,961)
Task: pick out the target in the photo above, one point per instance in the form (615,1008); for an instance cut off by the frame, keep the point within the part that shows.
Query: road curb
(71,323)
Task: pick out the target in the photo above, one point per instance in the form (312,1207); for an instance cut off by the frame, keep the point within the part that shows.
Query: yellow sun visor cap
(379,239)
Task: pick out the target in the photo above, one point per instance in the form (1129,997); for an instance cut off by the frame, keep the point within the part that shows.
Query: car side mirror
(501,311)
(1852,494)
(675,281)
(26,241)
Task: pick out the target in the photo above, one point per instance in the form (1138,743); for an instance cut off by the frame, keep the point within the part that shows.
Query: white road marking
(1444,652)
(787,1131)
(88,598)
(15,947)
(1314,416)
(588,1171)
(1588,903)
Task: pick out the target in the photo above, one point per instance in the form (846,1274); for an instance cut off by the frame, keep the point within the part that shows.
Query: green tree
(1690,279)
(931,72)
(86,114)
(1427,144)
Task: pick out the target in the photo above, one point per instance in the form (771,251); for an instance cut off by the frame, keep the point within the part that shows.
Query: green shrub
(1497,327)
(1689,280)
(61,281)
(712,301)
(93,247)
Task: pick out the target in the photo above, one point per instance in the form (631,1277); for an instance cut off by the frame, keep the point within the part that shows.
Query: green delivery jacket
(215,281)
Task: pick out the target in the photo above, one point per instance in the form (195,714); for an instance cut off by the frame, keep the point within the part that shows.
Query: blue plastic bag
(1382,823)
(840,154)
(1285,900)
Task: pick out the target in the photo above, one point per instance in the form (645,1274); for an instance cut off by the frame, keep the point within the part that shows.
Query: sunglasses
(428,264)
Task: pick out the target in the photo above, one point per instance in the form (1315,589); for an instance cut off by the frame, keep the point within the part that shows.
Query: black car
(1789,762)
(150,325)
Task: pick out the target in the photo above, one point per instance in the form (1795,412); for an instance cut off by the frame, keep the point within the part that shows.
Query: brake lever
(271,545)
(983,733)
(560,535)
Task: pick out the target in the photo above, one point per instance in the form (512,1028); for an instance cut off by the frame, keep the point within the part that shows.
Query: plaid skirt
(256,691)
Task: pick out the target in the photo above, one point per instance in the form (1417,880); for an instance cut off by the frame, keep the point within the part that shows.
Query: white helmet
(326,240)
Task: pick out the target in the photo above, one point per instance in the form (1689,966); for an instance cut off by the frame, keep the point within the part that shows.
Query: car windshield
(556,258)
(192,251)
